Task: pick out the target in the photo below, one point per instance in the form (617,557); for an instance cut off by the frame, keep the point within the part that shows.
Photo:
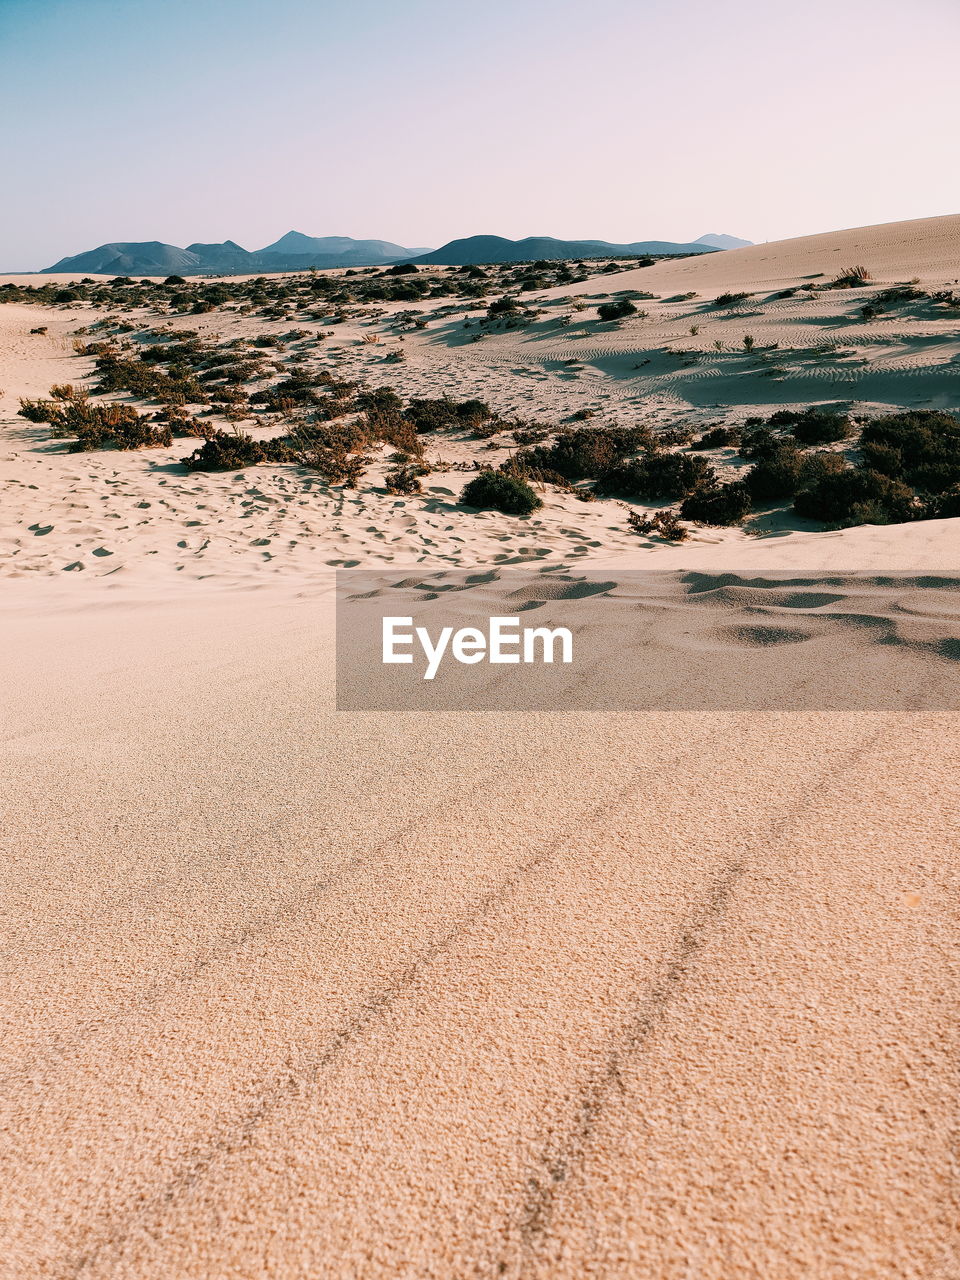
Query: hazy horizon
(637,120)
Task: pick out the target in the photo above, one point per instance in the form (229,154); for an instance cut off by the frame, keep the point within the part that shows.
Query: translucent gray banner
(646,640)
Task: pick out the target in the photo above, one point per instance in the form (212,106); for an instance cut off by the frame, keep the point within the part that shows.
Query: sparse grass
(851,278)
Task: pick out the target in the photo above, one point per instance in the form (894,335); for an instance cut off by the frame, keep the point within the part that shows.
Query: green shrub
(857,496)
(616,310)
(716,438)
(723,505)
(140,379)
(658,475)
(580,453)
(446,414)
(920,448)
(782,472)
(775,475)
(94,426)
(944,506)
(232,451)
(814,425)
(497,491)
(504,306)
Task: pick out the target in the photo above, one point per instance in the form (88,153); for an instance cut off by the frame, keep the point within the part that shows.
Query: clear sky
(419,121)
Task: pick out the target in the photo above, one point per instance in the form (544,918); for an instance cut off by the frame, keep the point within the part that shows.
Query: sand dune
(926,248)
(109,513)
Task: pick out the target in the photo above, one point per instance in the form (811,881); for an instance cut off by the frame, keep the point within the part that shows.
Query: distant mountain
(478,249)
(724,242)
(292,252)
(298,252)
(221,257)
(144,258)
(295,244)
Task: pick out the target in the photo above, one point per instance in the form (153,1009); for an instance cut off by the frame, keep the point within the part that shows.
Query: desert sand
(294,992)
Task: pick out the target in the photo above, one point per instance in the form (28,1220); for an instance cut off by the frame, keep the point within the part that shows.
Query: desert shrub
(384,420)
(664,523)
(857,496)
(299,389)
(757,440)
(658,475)
(782,472)
(498,491)
(670,436)
(814,425)
(118,373)
(586,452)
(336,464)
(405,477)
(41,329)
(898,294)
(944,506)
(446,414)
(776,474)
(334,450)
(234,450)
(716,438)
(616,310)
(730,299)
(504,306)
(723,505)
(920,448)
(37,410)
(95,426)
(851,278)
(180,421)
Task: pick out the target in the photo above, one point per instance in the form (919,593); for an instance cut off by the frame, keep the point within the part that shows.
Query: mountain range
(292,252)
(298,252)
(479,249)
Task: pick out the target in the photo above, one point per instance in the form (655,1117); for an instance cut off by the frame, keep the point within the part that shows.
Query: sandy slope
(925,248)
(290,992)
(143,514)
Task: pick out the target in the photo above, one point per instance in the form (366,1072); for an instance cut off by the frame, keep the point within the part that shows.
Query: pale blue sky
(423,120)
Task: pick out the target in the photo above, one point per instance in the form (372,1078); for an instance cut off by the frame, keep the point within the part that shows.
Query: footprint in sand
(40,530)
(102,551)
